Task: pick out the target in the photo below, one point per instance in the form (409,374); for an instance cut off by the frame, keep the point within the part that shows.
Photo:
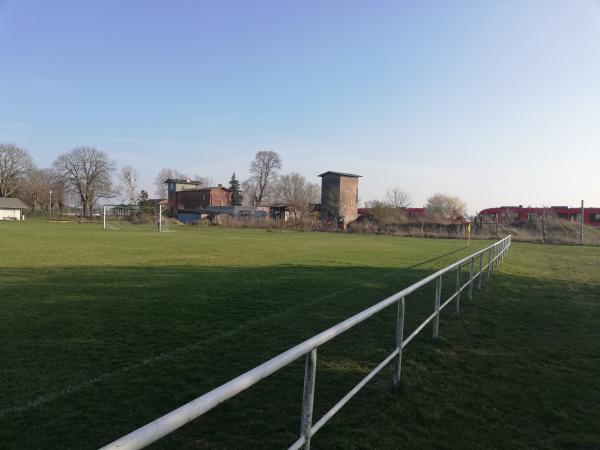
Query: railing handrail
(175,419)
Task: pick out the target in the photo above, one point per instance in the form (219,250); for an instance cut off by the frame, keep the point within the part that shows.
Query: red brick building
(189,195)
(198,199)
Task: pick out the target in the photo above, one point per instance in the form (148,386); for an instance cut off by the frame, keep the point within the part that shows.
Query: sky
(495,102)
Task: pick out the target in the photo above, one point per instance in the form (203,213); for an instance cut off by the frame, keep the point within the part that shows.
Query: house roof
(11,203)
(341,174)
(179,181)
(205,189)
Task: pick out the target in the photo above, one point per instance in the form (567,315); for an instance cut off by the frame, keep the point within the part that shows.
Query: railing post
(480,275)
(308,397)
(399,341)
(496,253)
(489,266)
(471,267)
(458,290)
(438,294)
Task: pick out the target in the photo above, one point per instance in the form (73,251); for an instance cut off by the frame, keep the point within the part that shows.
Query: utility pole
(582,213)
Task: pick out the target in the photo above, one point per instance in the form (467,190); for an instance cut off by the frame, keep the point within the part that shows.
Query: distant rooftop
(12,203)
(207,188)
(341,174)
(180,181)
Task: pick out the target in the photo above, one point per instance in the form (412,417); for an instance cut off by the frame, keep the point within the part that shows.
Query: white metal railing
(170,422)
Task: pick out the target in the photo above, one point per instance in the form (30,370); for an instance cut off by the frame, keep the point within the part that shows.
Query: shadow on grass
(91,353)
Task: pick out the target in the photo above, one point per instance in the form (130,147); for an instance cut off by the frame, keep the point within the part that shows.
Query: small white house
(11,208)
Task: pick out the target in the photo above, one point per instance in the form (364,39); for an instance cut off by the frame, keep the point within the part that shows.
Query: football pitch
(104,331)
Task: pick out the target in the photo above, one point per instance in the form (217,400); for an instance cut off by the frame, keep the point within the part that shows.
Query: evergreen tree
(237,196)
(143,198)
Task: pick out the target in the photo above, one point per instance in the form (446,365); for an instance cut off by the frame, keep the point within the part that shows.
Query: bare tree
(384,213)
(398,198)
(445,206)
(160,188)
(297,192)
(33,189)
(15,165)
(129,180)
(312,191)
(89,172)
(264,169)
(204,181)
(36,187)
(249,189)
(59,190)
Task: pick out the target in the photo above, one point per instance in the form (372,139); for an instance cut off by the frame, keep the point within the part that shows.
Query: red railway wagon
(591,216)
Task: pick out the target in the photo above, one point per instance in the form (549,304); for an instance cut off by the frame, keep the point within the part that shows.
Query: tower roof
(340,174)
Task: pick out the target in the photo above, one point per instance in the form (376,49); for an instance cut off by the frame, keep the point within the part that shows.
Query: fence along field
(168,423)
(105,331)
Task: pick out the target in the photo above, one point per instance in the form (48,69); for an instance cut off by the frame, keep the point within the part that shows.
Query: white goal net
(130,218)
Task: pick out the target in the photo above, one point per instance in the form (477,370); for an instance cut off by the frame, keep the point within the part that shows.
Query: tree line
(393,208)
(90,175)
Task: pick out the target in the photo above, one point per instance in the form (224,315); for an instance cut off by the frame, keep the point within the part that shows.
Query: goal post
(164,224)
(160,221)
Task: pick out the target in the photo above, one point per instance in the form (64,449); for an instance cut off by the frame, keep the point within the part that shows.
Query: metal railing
(153,431)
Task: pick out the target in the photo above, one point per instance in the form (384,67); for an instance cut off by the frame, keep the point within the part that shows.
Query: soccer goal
(136,218)
(129,218)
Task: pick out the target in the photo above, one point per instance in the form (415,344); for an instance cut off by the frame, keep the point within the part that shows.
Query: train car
(519,214)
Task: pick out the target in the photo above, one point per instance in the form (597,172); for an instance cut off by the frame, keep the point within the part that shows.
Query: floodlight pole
(104,217)
(50,208)
(159,218)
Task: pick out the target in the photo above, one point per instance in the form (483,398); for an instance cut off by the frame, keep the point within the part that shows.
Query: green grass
(101,332)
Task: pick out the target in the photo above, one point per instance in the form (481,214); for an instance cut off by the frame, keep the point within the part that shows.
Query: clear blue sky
(497,102)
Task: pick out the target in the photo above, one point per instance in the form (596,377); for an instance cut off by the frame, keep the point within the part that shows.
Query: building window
(531,216)
(595,217)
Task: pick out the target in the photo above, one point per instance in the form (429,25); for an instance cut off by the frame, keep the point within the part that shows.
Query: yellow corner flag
(469,234)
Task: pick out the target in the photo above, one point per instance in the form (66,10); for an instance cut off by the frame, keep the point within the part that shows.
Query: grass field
(103,331)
